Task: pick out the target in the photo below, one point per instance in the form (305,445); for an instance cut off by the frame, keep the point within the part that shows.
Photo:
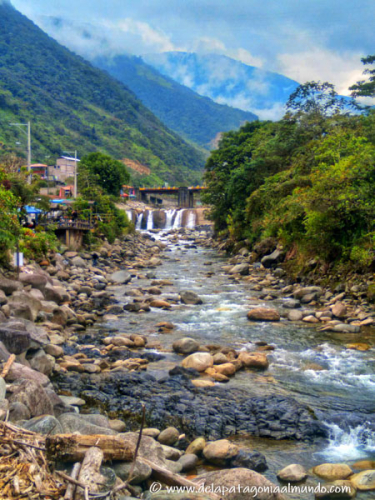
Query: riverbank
(128,357)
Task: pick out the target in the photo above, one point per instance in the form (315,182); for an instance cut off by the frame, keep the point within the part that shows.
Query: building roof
(35,165)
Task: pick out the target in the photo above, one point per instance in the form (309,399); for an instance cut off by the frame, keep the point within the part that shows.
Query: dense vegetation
(307,180)
(109,174)
(196,118)
(73,105)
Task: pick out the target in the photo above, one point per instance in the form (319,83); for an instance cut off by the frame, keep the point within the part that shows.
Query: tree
(365,88)
(109,173)
(316,97)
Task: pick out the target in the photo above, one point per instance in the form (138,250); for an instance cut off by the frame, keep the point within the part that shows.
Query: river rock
(189,297)
(227,369)
(199,361)
(186,345)
(42,362)
(36,280)
(242,269)
(73,422)
(188,462)
(315,291)
(331,472)
(160,304)
(339,310)
(140,473)
(56,294)
(364,481)
(220,358)
(240,484)
(202,383)
(292,473)
(44,424)
(272,259)
(54,350)
(149,448)
(9,286)
(18,372)
(196,447)
(337,490)
(78,262)
(295,315)
(169,436)
(254,360)
(263,314)
(33,396)
(18,411)
(250,459)
(220,452)
(345,328)
(120,277)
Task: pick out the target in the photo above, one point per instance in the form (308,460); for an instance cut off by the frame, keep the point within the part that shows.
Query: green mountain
(194,117)
(73,105)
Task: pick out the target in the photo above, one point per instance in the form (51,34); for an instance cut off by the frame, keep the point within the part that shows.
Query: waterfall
(169,219)
(178,219)
(191,220)
(129,213)
(355,443)
(139,221)
(150,220)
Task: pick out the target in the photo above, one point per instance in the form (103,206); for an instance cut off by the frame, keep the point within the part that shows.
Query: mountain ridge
(73,105)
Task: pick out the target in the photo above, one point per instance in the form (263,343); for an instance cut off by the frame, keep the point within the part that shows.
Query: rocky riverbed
(214,349)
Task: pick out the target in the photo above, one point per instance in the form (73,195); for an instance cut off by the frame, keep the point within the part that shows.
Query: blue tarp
(33,210)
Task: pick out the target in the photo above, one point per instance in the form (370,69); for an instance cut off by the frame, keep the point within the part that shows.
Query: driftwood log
(89,475)
(73,448)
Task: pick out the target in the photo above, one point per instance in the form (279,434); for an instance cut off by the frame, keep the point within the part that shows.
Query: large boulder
(36,280)
(240,484)
(313,291)
(42,362)
(242,269)
(265,246)
(141,471)
(331,472)
(263,314)
(9,286)
(56,294)
(78,262)
(292,473)
(189,297)
(200,361)
(186,346)
(22,299)
(120,277)
(220,452)
(44,424)
(339,310)
(254,360)
(33,396)
(73,422)
(272,259)
(18,372)
(364,481)
(149,448)
(250,459)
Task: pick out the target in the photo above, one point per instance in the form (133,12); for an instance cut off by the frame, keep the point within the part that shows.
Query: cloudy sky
(302,39)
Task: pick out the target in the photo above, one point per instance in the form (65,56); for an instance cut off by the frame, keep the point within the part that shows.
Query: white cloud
(343,69)
(207,45)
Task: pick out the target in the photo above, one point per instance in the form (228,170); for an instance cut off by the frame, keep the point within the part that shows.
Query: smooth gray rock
(33,396)
(44,424)
(3,388)
(72,422)
(141,471)
(120,277)
(188,462)
(189,297)
(9,286)
(242,269)
(185,345)
(169,436)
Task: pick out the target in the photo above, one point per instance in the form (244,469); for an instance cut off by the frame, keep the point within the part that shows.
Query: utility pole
(75,174)
(28,133)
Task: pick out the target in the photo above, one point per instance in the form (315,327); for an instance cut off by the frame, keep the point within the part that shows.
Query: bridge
(185,195)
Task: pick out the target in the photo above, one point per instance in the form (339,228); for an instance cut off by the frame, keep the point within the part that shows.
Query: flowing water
(341,393)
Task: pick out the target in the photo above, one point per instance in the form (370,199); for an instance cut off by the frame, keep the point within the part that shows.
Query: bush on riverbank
(308,180)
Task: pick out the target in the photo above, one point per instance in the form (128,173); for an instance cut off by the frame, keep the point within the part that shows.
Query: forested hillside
(196,118)
(73,105)
(308,180)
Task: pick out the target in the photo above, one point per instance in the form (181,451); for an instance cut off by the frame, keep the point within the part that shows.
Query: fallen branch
(8,365)
(71,488)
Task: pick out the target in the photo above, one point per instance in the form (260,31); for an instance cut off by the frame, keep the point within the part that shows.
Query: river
(341,394)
